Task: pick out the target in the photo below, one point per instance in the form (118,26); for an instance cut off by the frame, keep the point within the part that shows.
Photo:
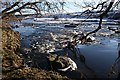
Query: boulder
(61,63)
(90,38)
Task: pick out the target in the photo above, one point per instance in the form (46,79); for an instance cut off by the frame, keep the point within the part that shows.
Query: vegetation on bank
(12,64)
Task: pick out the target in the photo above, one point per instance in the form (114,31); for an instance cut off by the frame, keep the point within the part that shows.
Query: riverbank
(94,59)
(38,41)
(13,64)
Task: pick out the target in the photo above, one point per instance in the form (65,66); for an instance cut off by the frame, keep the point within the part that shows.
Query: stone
(72,66)
(61,63)
(90,38)
(117,31)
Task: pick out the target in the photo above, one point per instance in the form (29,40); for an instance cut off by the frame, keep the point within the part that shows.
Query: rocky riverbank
(13,64)
(41,51)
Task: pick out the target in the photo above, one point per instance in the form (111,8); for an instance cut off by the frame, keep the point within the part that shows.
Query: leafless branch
(93,8)
(18,9)
(7,9)
(100,22)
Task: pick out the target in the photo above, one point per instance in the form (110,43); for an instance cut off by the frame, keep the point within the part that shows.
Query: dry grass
(12,64)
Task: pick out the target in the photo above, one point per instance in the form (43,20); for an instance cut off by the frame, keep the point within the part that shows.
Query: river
(101,56)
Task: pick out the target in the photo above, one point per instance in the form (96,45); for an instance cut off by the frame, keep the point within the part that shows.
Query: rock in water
(62,63)
(117,31)
(113,28)
(90,38)
(72,66)
(54,37)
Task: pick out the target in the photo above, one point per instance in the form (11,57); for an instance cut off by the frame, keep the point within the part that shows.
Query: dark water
(99,57)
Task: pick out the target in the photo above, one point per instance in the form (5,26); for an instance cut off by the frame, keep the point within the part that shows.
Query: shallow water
(99,57)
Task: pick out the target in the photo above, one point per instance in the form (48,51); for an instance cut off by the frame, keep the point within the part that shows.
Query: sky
(70,5)
(75,5)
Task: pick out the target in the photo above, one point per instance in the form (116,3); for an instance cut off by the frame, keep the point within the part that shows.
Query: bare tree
(48,7)
(101,16)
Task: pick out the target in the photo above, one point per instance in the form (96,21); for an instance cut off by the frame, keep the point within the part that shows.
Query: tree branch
(93,8)
(100,22)
(18,9)
(7,9)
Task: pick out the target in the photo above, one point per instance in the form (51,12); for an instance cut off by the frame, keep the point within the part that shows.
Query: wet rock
(44,47)
(117,31)
(50,41)
(113,28)
(54,37)
(24,50)
(90,38)
(72,66)
(17,26)
(62,63)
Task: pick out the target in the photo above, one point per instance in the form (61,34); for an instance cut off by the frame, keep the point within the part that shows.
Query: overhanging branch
(18,9)
(100,22)
(9,8)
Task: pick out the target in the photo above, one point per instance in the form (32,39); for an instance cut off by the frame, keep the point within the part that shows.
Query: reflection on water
(94,60)
(115,68)
(98,60)
(99,57)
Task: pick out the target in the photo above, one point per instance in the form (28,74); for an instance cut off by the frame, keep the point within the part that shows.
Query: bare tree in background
(37,6)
